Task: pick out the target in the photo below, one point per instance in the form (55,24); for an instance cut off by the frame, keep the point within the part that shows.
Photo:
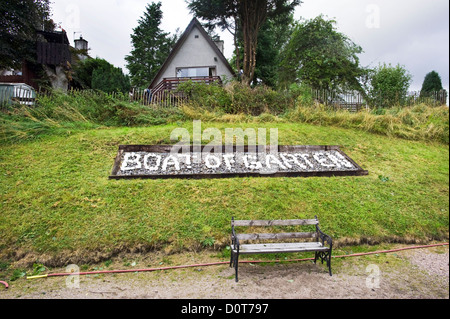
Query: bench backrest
(275,236)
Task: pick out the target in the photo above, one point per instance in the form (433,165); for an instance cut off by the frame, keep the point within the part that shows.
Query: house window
(193,72)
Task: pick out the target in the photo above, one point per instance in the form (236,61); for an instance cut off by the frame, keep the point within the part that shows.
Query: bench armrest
(234,238)
(324,238)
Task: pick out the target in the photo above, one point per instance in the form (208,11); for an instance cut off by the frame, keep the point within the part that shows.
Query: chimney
(219,43)
(82,45)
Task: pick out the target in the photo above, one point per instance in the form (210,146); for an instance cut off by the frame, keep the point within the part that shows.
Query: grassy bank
(63,114)
(59,206)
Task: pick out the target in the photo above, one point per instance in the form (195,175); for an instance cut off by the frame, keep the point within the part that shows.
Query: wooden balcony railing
(168,85)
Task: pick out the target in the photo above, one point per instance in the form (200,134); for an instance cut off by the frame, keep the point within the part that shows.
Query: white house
(195,56)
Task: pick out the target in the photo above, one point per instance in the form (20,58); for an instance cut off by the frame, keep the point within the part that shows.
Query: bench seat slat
(264,223)
(267,236)
(279,248)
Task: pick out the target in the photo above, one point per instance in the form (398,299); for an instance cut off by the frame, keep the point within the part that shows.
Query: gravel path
(412,274)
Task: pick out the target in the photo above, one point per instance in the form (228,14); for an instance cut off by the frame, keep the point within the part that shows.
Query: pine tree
(432,88)
(431,83)
(151,46)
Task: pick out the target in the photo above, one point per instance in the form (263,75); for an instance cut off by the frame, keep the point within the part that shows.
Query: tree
(221,14)
(99,74)
(151,46)
(250,16)
(321,57)
(431,83)
(83,71)
(19,20)
(389,85)
(432,88)
(274,35)
(272,38)
(110,79)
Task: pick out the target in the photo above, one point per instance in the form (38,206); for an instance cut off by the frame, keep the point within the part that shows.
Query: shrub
(388,86)
(236,98)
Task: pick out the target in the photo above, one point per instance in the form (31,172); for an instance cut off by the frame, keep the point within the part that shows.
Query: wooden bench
(322,244)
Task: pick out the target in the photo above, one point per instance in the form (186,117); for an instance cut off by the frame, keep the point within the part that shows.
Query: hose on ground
(227,262)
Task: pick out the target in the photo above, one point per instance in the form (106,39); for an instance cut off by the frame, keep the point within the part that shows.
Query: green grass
(56,198)
(78,111)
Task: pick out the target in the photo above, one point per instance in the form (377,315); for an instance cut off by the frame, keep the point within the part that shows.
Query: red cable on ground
(392,250)
(134,270)
(224,263)
(4,283)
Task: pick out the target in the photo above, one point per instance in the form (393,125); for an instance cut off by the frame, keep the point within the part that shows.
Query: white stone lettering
(320,157)
(343,160)
(304,157)
(254,165)
(273,159)
(171,160)
(131,161)
(209,159)
(288,158)
(148,163)
(154,167)
(229,160)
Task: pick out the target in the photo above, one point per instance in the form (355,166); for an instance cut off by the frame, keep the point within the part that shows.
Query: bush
(388,86)
(210,96)
(236,98)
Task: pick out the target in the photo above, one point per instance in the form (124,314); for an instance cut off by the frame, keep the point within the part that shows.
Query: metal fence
(136,95)
(164,99)
(355,101)
(351,101)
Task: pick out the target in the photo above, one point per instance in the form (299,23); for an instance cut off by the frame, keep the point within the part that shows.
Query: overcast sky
(413,33)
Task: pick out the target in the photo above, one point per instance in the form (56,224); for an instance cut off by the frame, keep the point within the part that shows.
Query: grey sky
(413,33)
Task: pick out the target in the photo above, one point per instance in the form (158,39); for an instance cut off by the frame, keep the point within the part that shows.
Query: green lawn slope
(58,204)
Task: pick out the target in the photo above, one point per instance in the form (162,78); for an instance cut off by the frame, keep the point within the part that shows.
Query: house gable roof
(194,23)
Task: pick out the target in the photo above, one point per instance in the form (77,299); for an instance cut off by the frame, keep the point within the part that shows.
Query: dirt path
(412,274)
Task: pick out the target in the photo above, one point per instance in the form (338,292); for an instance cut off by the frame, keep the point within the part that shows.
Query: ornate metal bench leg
(236,260)
(231,259)
(315,256)
(329,263)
